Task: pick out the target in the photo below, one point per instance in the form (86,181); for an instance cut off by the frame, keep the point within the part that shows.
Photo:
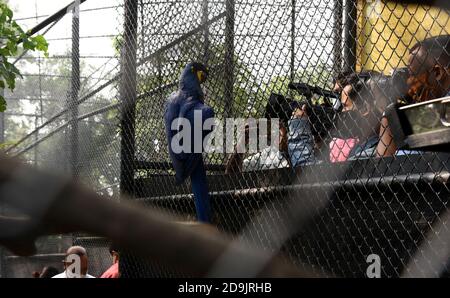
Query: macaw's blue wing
(186,162)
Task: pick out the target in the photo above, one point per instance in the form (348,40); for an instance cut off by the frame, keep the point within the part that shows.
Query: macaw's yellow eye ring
(201,76)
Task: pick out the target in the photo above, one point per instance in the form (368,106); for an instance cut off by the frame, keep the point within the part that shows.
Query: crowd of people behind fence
(361,128)
(69,264)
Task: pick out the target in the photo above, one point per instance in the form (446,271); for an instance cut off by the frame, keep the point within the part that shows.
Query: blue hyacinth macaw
(182,104)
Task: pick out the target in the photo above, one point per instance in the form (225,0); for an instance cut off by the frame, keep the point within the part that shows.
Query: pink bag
(340,148)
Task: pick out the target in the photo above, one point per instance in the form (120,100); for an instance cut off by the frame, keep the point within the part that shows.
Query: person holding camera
(428,78)
(271,157)
(353,136)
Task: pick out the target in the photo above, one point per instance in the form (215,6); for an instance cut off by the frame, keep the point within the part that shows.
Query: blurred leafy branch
(13,40)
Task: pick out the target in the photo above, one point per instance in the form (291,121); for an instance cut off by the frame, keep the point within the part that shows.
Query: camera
(424,125)
(399,86)
(322,116)
(394,87)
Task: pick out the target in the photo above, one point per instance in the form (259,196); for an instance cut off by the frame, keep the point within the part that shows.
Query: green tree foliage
(13,39)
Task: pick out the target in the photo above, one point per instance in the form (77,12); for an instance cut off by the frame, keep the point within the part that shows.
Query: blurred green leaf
(2,104)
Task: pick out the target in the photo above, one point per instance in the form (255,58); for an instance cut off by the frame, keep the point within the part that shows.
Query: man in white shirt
(75,264)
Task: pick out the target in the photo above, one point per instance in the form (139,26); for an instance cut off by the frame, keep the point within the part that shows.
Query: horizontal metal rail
(440,178)
(64,125)
(56,16)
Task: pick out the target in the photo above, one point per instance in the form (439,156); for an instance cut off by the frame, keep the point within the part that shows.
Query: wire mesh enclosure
(364,206)
(331,194)
(64,113)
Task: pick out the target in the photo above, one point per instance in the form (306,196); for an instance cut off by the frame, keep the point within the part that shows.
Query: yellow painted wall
(387,30)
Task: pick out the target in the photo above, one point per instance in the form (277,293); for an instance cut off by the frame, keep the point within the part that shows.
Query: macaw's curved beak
(202,76)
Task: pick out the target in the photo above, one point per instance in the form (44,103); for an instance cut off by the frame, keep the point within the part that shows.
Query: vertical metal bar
(337,48)
(36,138)
(128,97)
(350,34)
(2,121)
(229,57)
(41,113)
(2,257)
(75,89)
(36,150)
(161,94)
(292,66)
(73,98)
(2,209)
(206,43)
(143,31)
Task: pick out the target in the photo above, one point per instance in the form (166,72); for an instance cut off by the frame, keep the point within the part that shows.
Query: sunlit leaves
(14,40)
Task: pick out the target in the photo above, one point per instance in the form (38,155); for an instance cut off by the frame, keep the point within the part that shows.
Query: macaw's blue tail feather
(194,168)
(184,169)
(201,195)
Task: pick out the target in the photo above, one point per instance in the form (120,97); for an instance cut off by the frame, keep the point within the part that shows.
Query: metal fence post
(350,34)
(293,3)
(2,121)
(75,89)
(2,140)
(229,57)
(206,44)
(128,96)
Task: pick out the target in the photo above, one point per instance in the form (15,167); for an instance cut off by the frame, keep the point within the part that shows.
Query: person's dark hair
(75,250)
(278,107)
(341,77)
(353,79)
(114,248)
(349,77)
(438,47)
(360,94)
(48,272)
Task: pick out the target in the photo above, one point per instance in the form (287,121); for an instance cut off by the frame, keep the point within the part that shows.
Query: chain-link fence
(358,204)
(331,195)
(63,115)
